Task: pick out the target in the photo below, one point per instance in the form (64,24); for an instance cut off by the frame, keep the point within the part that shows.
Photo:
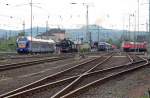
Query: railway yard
(94,75)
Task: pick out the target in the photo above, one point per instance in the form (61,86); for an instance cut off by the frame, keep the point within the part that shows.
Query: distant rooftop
(51,32)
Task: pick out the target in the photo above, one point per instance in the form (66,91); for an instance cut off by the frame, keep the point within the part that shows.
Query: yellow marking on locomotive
(22,46)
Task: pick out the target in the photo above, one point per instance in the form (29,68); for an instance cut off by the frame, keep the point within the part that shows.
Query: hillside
(76,34)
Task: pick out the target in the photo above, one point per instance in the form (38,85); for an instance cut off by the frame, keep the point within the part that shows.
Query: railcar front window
(22,39)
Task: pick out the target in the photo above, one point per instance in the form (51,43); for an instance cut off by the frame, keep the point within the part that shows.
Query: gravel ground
(132,85)
(7,84)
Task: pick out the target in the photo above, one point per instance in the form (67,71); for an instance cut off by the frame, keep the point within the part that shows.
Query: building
(54,34)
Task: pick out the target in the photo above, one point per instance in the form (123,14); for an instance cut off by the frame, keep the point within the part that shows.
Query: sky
(112,14)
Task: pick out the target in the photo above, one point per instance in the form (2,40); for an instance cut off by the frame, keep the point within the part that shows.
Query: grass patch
(8,45)
(145,96)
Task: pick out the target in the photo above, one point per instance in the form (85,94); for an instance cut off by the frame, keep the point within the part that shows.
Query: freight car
(34,45)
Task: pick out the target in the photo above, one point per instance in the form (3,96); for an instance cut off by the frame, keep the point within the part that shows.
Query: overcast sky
(106,13)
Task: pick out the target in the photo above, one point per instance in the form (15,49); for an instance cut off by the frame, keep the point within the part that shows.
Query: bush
(84,50)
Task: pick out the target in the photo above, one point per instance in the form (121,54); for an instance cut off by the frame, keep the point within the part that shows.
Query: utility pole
(138,17)
(129,28)
(98,35)
(87,23)
(37,30)
(88,36)
(23,24)
(31,23)
(149,19)
(138,24)
(123,37)
(135,30)
(47,26)
(149,31)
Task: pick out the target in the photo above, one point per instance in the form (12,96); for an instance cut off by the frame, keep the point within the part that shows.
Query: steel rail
(68,87)
(134,57)
(106,78)
(68,79)
(24,56)
(141,57)
(29,63)
(38,82)
(53,83)
(34,84)
(35,56)
(130,58)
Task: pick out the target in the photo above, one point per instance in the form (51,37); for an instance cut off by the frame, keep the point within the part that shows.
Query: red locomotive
(134,46)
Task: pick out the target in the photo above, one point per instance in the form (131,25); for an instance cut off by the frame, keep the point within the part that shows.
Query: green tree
(110,41)
(21,34)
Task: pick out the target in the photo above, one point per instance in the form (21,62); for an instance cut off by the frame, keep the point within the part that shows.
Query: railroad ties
(76,80)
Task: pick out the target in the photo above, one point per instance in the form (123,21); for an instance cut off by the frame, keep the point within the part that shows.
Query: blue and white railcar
(103,46)
(34,45)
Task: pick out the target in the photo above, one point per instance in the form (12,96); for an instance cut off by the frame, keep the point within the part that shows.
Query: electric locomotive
(34,45)
(134,46)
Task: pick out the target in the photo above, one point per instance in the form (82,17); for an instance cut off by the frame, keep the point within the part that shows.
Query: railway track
(68,87)
(63,75)
(134,57)
(91,79)
(29,63)
(33,56)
